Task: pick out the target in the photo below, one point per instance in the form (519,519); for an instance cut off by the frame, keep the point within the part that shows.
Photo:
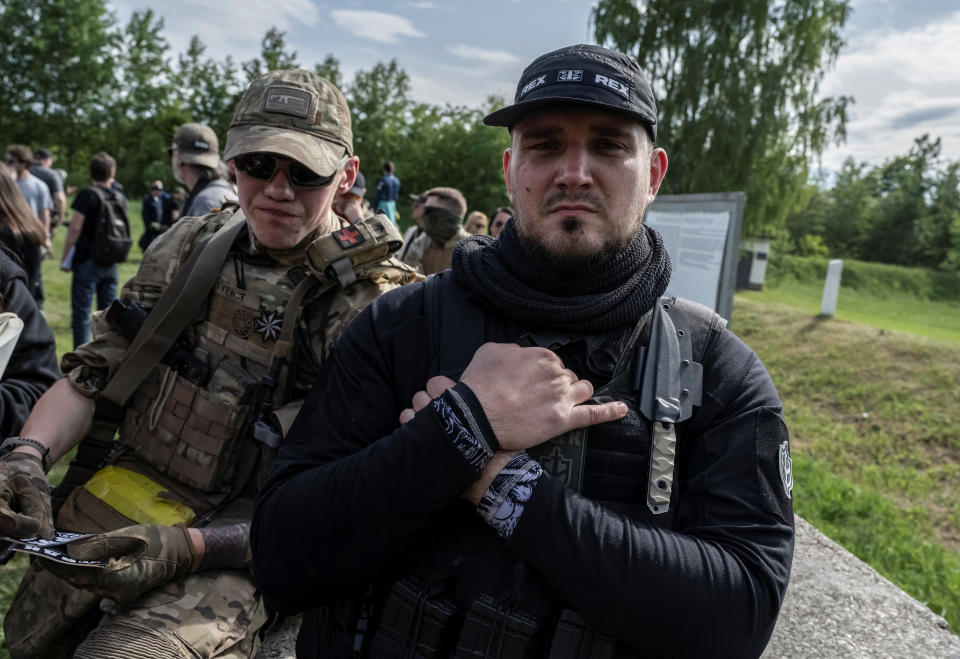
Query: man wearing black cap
(585,468)
(159,213)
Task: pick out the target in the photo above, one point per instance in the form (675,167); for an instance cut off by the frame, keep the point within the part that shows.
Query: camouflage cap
(293,113)
(196,144)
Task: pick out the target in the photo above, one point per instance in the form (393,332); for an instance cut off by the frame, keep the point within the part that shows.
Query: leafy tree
(451,147)
(379,106)
(209,89)
(938,232)
(56,74)
(145,95)
(273,56)
(329,68)
(904,185)
(738,88)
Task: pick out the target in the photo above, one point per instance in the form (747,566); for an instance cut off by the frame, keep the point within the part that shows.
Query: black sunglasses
(263,166)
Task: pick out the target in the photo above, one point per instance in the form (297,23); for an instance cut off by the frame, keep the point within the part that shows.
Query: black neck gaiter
(504,277)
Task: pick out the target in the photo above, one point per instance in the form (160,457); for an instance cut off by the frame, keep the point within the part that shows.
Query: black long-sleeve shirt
(33,366)
(353,494)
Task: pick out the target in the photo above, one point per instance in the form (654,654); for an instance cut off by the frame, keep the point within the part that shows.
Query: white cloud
(424,5)
(237,31)
(482,54)
(905,83)
(375,25)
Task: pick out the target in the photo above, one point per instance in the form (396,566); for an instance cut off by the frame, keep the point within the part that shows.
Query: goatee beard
(570,264)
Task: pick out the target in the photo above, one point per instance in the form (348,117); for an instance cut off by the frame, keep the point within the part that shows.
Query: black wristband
(11,443)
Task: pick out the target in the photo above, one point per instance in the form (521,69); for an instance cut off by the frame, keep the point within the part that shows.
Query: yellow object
(135,496)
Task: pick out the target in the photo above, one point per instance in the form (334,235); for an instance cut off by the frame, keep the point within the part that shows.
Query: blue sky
(901,61)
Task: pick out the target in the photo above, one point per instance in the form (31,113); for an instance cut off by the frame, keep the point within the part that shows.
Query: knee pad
(126,639)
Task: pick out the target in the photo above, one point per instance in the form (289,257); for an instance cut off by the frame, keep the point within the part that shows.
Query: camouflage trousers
(216,613)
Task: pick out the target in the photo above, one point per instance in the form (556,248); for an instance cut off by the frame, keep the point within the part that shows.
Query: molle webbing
(173,310)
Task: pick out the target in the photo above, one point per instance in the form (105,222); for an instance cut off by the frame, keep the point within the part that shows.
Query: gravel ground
(836,606)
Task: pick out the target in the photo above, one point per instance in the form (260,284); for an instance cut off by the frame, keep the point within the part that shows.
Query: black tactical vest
(458,592)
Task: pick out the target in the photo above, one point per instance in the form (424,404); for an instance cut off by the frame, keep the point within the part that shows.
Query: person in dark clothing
(32,367)
(159,211)
(89,277)
(608,476)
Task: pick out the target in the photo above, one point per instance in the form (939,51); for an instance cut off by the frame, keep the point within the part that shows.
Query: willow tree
(737,84)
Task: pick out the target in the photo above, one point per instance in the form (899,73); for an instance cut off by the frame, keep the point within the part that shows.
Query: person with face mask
(443,212)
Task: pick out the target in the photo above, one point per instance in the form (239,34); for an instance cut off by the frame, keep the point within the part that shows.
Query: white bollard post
(831,288)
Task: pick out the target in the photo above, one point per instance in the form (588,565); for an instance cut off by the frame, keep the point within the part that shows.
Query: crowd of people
(489,437)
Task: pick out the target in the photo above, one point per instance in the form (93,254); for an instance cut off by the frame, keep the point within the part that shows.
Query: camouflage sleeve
(90,366)
(347,305)
(353,299)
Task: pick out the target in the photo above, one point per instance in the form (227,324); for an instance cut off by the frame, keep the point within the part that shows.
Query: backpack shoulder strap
(704,323)
(456,326)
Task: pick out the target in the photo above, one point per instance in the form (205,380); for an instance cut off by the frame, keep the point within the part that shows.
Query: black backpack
(111,236)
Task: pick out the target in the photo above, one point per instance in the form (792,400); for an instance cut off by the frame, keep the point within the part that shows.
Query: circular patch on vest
(243,323)
(786,469)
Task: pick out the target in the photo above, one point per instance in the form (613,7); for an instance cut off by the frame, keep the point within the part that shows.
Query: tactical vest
(186,424)
(188,429)
(458,591)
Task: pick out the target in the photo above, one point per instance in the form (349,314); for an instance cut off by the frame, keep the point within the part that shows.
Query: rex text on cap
(295,114)
(583,74)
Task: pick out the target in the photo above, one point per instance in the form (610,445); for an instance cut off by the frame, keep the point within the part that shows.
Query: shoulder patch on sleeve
(774,466)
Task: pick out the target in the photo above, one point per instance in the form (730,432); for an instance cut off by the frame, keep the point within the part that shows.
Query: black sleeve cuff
(466,425)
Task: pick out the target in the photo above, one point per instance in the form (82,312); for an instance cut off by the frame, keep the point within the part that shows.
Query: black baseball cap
(584,74)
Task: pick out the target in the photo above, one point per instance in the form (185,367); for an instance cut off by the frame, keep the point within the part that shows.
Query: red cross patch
(348,237)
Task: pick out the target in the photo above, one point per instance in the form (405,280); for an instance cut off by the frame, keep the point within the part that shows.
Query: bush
(878,279)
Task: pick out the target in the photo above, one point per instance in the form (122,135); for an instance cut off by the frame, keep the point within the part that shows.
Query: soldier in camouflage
(170,510)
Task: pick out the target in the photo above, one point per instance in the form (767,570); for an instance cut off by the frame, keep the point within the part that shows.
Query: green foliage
(329,68)
(877,279)
(738,88)
(430,145)
(905,211)
(895,542)
(209,89)
(73,80)
(273,56)
(57,64)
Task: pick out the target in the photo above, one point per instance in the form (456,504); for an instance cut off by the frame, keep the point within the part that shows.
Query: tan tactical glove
(139,559)
(25,510)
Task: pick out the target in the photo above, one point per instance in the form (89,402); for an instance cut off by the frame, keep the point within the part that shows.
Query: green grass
(897,311)
(874,418)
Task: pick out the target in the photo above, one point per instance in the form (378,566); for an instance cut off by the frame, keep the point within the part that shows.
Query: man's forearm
(73,233)
(59,420)
(60,205)
(221,547)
